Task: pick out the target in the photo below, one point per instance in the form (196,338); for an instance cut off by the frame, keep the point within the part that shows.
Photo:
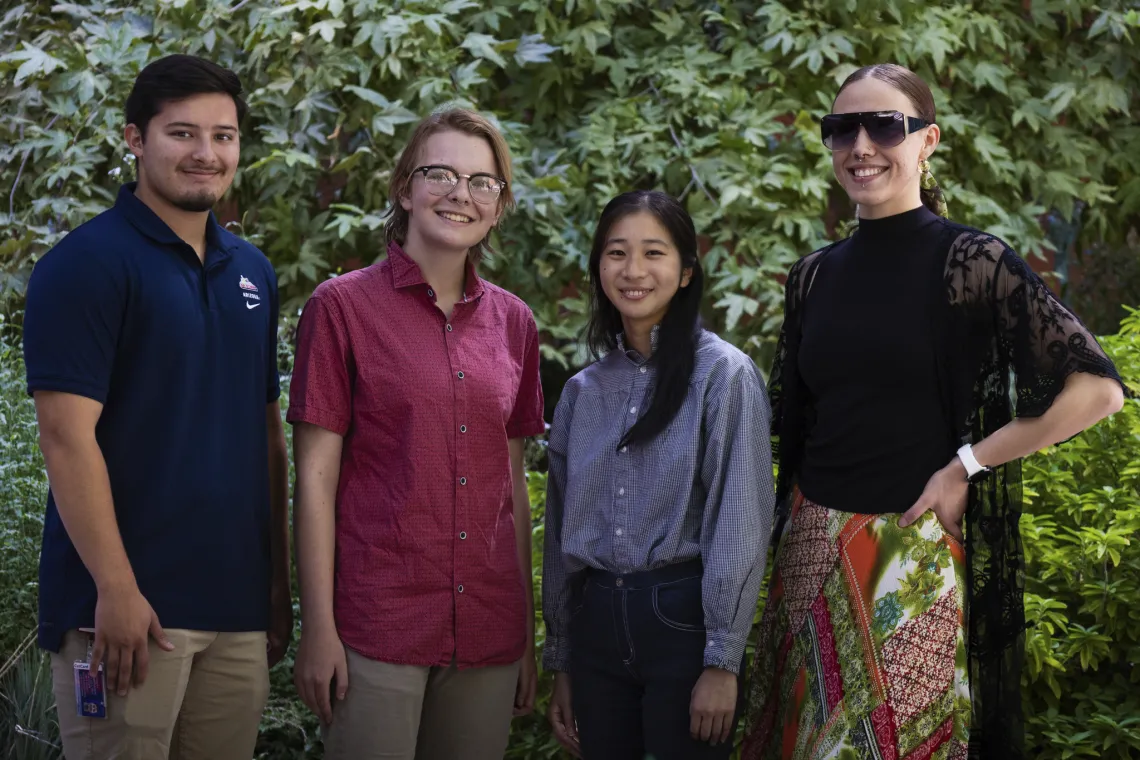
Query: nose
(204,150)
(864,145)
(634,266)
(461,193)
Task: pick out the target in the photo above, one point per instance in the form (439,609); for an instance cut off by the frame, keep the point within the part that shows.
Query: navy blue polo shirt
(183,357)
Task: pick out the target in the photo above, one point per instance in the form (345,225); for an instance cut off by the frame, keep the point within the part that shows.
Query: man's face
(190,151)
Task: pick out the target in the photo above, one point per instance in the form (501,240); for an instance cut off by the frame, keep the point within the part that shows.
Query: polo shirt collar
(406,273)
(150,224)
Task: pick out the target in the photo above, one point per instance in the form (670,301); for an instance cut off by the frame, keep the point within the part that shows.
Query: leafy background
(713,102)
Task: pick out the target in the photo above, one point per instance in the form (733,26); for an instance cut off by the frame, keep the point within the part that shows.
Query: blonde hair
(459,120)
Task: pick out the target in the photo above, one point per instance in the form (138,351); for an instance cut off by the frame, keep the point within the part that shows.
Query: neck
(638,336)
(900,204)
(445,271)
(189,226)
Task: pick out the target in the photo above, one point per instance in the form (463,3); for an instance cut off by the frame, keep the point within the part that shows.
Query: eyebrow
(645,240)
(223,127)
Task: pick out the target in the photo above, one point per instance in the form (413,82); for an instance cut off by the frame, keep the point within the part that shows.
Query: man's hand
(280,622)
(527,687)
(124,620)
(320,660)
(713,706)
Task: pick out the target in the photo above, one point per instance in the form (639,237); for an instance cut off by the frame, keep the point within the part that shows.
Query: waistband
(679,571)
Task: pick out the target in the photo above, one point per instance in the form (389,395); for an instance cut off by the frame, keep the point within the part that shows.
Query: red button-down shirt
(426,561)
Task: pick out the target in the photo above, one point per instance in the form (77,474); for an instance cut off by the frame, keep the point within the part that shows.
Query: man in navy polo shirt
(150,340)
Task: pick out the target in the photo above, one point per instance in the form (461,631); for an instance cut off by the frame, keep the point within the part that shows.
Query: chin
(195,202)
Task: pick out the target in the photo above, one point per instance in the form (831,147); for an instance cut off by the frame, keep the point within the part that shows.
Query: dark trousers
(637,650)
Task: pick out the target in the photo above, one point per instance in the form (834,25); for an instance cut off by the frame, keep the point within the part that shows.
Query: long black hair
(677,333)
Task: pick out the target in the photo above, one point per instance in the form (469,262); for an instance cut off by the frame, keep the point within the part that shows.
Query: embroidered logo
(248,290)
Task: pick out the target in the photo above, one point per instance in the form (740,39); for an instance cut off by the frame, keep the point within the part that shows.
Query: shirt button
(431,293)
(460,374)
(462,535)
(633,410)
(621,492)
(449,328)
(461,588)
(711,642)
(463,481)
(644,370)
(618,531)
(624,449)
(462,428)
(619,582)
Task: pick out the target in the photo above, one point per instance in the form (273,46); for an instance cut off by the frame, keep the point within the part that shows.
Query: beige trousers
(406,712)
(203,701)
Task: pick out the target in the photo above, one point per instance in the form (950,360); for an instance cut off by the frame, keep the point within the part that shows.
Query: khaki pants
(405,712)
(203,701)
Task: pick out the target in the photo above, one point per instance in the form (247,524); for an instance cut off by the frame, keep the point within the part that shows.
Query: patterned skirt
(862,648)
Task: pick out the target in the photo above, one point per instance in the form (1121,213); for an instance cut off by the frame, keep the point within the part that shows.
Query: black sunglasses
(885,128)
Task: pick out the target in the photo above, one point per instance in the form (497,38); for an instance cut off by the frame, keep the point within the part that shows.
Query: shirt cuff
(724,650)
(556,654)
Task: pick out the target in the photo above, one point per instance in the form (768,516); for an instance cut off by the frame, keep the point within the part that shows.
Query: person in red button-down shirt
(415,386)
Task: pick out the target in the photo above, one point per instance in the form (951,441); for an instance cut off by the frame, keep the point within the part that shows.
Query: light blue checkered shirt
(702,488)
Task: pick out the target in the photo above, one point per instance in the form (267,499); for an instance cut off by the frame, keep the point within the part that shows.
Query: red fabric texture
(426,565)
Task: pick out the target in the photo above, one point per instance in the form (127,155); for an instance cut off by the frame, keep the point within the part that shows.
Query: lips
(451,216)
(636,294)
(865,174)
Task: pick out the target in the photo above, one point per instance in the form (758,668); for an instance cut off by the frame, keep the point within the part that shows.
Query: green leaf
(483,46)
(35,62)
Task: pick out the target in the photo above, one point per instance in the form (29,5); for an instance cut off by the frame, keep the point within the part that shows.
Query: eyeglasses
(885,128)
(441,180)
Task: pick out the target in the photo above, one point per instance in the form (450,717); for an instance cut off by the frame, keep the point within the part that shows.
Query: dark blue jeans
(637,650)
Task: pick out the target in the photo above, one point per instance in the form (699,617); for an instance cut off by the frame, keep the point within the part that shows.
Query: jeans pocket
(678,604)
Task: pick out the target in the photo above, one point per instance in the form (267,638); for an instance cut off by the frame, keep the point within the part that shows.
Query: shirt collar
(406,273)
(143,218)
(632,352)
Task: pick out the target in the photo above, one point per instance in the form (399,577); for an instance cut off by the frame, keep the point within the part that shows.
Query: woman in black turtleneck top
(919,360)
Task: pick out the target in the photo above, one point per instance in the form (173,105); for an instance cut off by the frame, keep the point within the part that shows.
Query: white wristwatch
(974,470)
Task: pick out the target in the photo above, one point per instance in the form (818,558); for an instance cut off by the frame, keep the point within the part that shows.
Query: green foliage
(714,102)
(1083,590)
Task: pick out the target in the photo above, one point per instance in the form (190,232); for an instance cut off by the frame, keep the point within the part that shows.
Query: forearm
(522,520)
(314,522)
(1085,400)
(82,490)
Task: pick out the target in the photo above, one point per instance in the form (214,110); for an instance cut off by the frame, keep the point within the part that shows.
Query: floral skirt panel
(862,648)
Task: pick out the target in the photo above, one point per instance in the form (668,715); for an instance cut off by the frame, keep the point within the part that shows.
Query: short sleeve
(320,392)
(1040,338)
(72,320)
(526,417)
(272,375)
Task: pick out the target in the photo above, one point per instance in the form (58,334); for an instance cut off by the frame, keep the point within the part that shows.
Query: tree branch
(681,150)
(20,173)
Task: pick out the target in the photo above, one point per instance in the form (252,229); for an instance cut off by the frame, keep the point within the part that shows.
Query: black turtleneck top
(868,363)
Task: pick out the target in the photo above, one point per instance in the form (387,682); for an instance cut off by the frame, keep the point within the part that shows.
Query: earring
(924,167)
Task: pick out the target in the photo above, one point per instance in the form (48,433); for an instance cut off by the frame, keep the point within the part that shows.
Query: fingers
(717,733)
(915,512)
(158,634)
(322,690)
(565,731)
(142,663)
(125,664)
(97,652)
(340,674)
(706,731)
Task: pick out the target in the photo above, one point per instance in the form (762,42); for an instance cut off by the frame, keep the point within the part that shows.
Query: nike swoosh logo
(249,305)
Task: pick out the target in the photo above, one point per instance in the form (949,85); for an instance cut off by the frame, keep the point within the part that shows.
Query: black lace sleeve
(1041,339)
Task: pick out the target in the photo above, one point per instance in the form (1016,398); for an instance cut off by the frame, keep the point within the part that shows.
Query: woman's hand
(945,494)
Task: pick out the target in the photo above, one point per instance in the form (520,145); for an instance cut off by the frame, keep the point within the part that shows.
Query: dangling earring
(924,168)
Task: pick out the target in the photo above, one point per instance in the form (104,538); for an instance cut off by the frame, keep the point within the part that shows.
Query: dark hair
(918,92)
(677,333)
(177,77)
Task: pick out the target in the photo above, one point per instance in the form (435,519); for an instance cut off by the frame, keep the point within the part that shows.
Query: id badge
(90,688)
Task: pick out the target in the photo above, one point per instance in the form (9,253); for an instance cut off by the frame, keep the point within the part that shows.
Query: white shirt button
(644,370)
(624,449)
(711,642)
(431,293)
(462,428)
(621,492)
(461,588)
(633,410)
(463,481)
(449,328)
(618,531)
(460,374)
(462,535)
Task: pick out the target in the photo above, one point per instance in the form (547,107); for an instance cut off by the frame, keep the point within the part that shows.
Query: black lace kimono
(1005,347)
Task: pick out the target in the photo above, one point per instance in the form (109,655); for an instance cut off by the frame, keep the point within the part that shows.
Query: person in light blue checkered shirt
(659,505)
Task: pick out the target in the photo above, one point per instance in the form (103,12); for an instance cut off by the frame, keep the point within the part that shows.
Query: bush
(1083,589)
